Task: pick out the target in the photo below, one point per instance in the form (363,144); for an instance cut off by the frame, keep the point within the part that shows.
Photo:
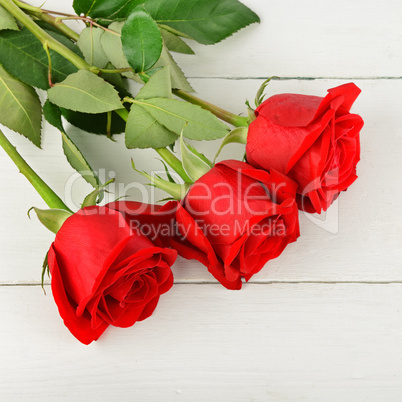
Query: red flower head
(313,140)
(235,218)
(105,272)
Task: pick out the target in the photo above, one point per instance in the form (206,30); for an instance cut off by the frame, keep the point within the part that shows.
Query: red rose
(235,218)
(313,140)
(105,273)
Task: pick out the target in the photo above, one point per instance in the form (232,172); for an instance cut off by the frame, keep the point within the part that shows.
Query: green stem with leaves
(231,118)
(48,195)
(44,16)
(16,8)
(45,38)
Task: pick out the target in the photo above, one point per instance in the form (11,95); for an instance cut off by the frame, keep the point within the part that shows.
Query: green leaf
(143,131)
(22,54)
(98,123)
(115,79)
(141,40)
(20,108)
(158,86)
(52,219)
(52,114)
(78,161)
(179,80)
(206,21)
(111,44)
(112,47)
(82,6)
(174,115)
(193,164)
(7,21)
(174,43)
(90,46)
(110,9)
(94,123)
(85,92)
(238,136)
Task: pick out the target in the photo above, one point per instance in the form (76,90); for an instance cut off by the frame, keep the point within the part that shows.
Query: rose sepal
(95,197)
(176,190)
(236,136)
(52,219)
(260,96)
(195,164)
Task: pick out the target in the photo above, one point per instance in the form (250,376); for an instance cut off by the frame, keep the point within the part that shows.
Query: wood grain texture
(318,38)
(281,342)
(360,234)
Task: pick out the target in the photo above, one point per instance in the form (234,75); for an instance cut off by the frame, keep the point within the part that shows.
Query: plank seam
(294,78)
(249,283)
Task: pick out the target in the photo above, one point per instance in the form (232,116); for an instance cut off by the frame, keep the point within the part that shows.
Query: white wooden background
(321,323)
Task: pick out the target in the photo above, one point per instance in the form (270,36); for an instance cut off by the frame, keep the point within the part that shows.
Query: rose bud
(235,218)
(313,140)
(105,273)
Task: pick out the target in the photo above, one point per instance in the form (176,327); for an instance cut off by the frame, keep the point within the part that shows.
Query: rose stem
(57,21)
(48,195)
(44,16)
(231,118)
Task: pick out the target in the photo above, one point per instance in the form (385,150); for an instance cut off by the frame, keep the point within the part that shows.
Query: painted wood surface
(337,337)
(279,342)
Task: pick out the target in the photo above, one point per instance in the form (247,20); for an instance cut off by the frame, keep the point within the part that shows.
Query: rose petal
(290,110)
(154,221)
(81,232)
(79,326)
(196,246)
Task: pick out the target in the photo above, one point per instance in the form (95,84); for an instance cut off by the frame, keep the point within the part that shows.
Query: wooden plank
(314,39)
(281,342)
(360,241)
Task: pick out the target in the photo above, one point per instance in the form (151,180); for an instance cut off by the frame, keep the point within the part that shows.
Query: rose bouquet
(110,264)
